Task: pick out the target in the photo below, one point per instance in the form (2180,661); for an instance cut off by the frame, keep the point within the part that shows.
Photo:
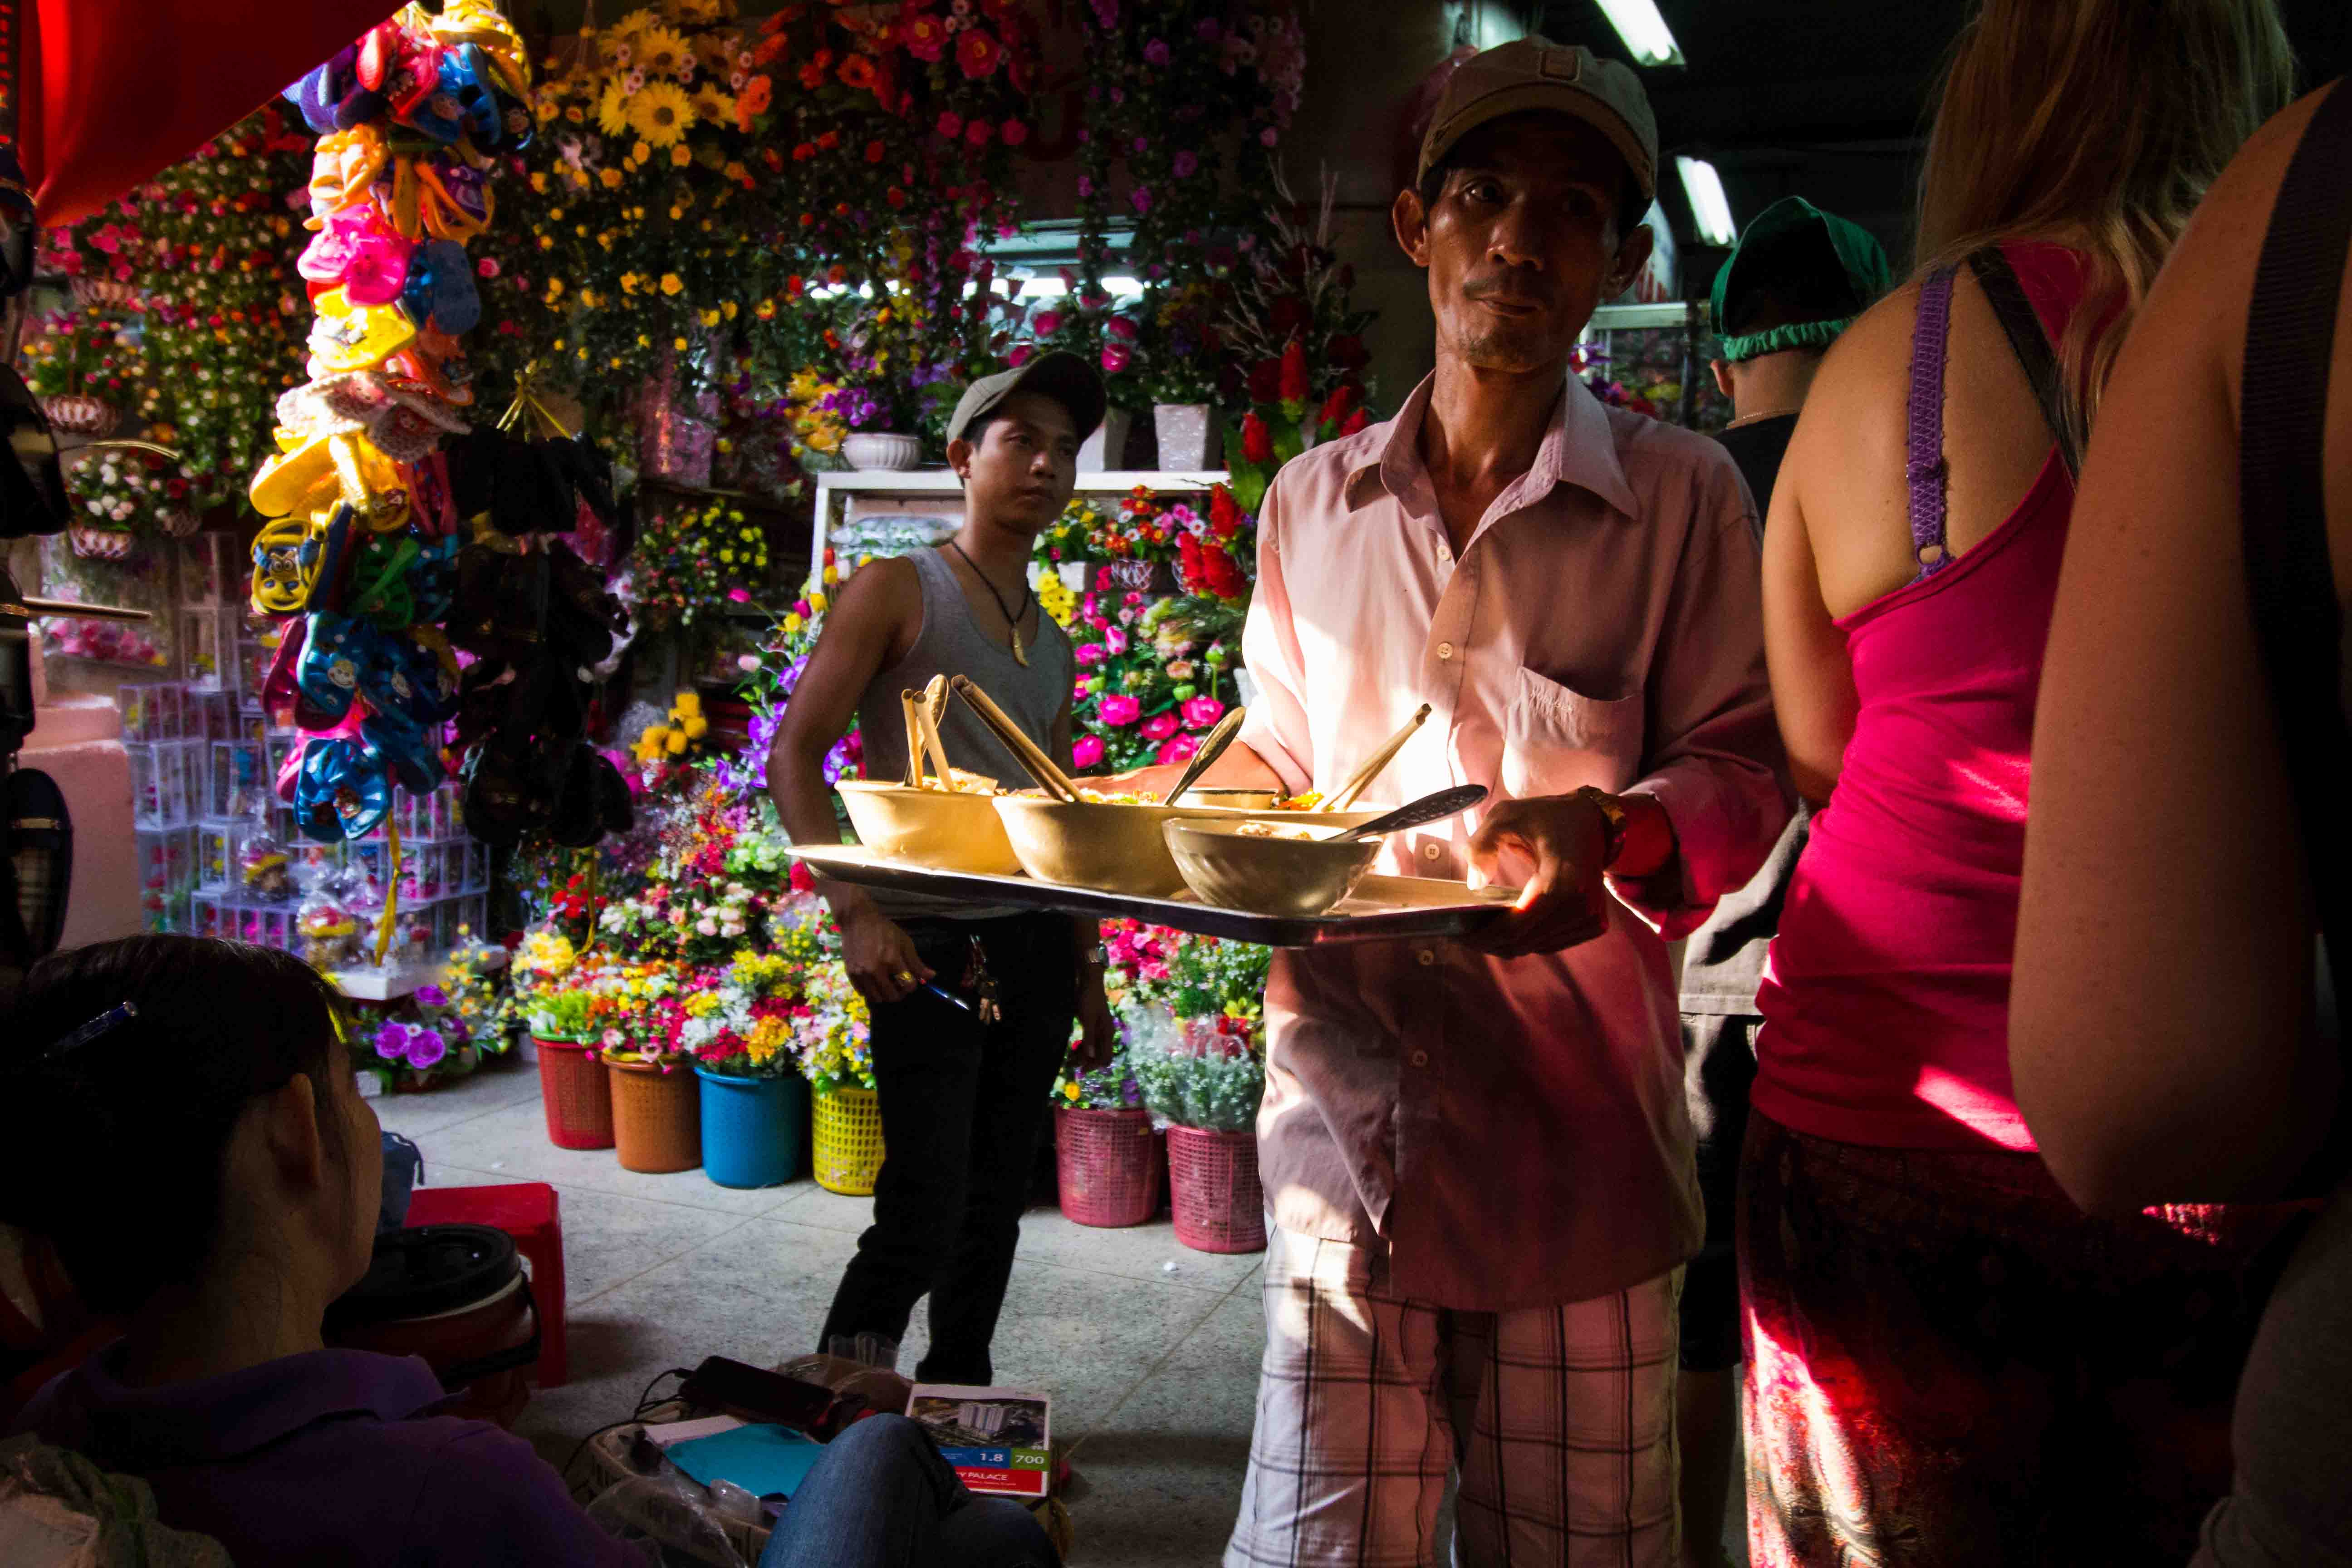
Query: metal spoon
(1212,748)
(1434,807)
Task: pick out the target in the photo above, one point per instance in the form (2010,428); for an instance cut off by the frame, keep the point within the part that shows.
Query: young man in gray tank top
(963,1094)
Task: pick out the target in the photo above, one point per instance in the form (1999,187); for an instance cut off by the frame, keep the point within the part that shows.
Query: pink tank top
(1886,996)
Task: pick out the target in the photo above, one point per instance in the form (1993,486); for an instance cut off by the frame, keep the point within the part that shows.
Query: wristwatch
(1613,815)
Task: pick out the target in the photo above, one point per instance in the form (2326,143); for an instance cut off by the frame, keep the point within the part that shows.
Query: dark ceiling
(1828,99)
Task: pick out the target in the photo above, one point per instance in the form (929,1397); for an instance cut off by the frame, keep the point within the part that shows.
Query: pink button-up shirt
(1512,1129)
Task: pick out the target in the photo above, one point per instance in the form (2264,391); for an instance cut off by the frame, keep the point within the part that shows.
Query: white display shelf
(837,492)
(396,981)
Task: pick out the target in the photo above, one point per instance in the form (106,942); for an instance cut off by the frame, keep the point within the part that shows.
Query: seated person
(182,1122)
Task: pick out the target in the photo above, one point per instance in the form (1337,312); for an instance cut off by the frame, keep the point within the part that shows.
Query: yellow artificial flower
(660,53)
(539,181)
(716,108)
(671,283)
(710,318)
(660,113)
(679,344)
(675,742)
(638,155)
(728,310)
(678,155)
(629,282)
(613,110)
(610,178)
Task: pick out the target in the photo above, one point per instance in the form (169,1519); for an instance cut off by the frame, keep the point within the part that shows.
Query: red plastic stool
(527,1212)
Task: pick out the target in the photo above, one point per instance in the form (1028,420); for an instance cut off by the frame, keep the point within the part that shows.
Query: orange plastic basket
(656,1117)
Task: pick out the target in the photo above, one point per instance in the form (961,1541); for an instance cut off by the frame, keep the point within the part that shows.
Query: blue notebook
(764,1460)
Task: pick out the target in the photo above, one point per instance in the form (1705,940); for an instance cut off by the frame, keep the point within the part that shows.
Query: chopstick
(1345,796)
(926,714)
(1026,751)
(914,741)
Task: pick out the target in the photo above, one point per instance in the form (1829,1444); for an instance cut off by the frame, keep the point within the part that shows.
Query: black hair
(977,431)
(115,1150)
(1632,204)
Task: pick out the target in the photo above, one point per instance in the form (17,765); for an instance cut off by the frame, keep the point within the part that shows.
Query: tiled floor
(1152,1370)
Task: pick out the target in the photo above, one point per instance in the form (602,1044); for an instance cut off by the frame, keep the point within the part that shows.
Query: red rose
(1339,405)
(1356,421)
(1257,442)
(1265,381)
(1225,516)
(1347,351)
(1222,573)
(1188,563)
(1294,372)
(978,53)
(1289,314)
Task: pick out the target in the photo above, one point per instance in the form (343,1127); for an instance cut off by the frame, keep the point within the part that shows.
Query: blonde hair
(2100,124)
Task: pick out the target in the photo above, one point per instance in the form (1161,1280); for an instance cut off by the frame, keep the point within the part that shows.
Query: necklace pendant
(1019,658)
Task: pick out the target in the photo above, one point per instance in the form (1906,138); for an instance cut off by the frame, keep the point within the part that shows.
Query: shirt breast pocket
(1559,739)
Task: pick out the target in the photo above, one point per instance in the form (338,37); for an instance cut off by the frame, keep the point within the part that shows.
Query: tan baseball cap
(1535,73)
(1059,374)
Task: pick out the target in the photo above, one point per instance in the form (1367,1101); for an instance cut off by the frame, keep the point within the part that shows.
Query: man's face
(1025,464)
(1523,240)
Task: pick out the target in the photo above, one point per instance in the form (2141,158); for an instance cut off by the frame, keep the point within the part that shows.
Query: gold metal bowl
(1302,876)
(959,832)
(1118,848)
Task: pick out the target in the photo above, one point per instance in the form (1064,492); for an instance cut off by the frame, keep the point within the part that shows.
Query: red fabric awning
(114,89)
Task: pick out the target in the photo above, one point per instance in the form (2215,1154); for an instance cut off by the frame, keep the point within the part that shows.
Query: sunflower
(613,110)
(661,114)
(662,53)
(715,107)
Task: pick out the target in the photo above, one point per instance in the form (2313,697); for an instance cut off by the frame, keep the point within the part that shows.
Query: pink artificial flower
(1156,52)
(1120,712)
(1133,601)
(1267,137)
(1015,132)
(1202,712)
(487,267)
(1159,726)
(1180,749)
(1087,752)
(1115,358)
(739,595)
(1017,356)
(1047,324)
(950,124)
(1140,198)
(1114,640)
(1086,188)
(1080,692)
(1187,164)
(1120,327)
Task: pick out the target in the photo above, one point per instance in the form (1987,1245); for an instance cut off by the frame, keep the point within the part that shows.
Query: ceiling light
(1647,37)
(1710,208)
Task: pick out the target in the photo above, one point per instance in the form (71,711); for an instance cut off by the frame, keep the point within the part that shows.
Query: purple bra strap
(1924,458)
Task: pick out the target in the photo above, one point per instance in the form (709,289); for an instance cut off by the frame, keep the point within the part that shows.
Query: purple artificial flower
(1156,52)
(432,997)
(1107,14)
(391,1041)
(1187,166)
(1140,198)
(426,1047)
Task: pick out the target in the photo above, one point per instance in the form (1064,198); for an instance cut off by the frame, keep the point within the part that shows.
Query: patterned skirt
(1950,1363)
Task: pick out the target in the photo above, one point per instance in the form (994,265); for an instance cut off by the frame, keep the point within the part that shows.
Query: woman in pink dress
(1949,1362)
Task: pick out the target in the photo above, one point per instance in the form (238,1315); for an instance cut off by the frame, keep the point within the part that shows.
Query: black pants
(963,1105)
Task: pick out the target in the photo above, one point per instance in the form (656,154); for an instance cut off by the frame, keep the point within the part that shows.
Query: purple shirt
(327,1457)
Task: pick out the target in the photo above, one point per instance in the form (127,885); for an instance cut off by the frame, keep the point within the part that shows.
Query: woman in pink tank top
(1948,1363)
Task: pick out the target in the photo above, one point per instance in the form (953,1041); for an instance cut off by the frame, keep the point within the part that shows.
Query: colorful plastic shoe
(441,288)
(409,755)
(341,790)
(336,651)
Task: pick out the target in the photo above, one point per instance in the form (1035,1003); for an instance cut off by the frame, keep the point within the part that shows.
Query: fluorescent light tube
(1647,37)
(1710,208)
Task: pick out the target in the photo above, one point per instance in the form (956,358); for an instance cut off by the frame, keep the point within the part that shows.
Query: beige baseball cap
(1058,375)
(1535,73)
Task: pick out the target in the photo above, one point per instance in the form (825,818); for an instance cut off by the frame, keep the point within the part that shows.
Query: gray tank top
(952,643)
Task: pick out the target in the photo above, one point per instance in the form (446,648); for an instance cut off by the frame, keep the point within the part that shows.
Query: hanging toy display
(361,557)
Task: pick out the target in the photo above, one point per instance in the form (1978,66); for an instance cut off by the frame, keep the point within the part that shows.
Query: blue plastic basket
(754,1130)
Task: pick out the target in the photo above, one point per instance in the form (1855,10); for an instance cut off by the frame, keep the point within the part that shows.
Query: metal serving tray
(1383,908)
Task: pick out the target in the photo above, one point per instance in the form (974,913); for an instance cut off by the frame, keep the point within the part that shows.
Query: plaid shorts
(1561,1420)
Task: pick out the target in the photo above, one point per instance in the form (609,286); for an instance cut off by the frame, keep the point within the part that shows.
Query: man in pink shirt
(1478,1155)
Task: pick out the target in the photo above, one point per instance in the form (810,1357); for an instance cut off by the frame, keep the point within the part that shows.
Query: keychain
(981,983)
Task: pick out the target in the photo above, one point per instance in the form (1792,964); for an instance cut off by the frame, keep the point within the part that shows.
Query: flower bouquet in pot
(754,1101)
(1107,1159)
(656,1106)
(1195,1046)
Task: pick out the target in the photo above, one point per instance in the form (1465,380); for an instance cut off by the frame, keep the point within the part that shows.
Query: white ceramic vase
(1105,449)
(1189,437)
(881,451)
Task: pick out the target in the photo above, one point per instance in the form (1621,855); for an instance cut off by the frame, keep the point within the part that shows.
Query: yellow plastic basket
(847,1142)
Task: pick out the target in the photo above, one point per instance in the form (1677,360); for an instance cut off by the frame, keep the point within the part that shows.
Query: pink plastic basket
(1220,1206)
(1106,1162)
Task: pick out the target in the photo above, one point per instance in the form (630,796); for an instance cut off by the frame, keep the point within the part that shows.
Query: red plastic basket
(579,1101)
(1220,1206)
(1105,1160)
